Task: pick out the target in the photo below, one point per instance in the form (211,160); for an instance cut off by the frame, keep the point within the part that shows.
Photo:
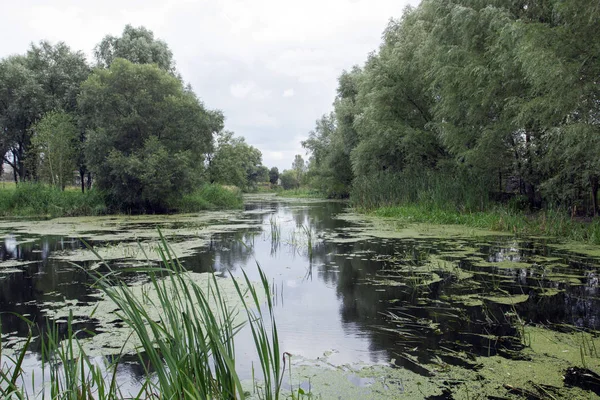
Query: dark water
(371,300)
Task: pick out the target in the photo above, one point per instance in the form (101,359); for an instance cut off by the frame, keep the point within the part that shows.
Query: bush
(288,180)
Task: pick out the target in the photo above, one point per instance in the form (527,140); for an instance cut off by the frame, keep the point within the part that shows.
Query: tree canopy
(148,134)
(130,125)
(137,45)
(46,78)
(235,162)
(468,101)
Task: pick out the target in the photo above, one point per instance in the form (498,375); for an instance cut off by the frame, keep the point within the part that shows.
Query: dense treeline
(128,123)
(467,102)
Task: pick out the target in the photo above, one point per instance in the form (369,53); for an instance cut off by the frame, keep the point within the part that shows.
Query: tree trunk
(89,180)
(82,179)
(594,185)
(500,181)
(530,181)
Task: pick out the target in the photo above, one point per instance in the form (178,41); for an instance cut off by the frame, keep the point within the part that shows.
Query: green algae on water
(114,336)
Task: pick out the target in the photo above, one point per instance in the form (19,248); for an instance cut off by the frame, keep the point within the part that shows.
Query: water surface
(347,290)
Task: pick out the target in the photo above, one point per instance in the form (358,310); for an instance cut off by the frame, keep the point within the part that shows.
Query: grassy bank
(211,197)
(302,192)
(497,218)
(31,199)
(38,200)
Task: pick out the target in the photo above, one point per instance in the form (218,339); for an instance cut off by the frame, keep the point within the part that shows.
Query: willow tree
(560,54)
(137,45)
(55,144)
(46,78)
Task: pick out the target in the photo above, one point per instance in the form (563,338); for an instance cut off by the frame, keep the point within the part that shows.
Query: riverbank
(502,219)
(38,200)
(302,192)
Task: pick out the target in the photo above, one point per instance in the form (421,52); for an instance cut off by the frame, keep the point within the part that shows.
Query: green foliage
(55,140)
(274,175)
(289,180)
(211,197)
(554,223)
(148,135)
(450,188)
(299,168)
(469,101)
(301,192)
(137,45)
(235,162)
(46,78)
(34,199)
(262,174)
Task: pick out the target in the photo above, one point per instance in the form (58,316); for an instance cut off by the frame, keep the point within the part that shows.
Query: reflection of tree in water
(225,252)
(365,305)
(319,215)
(43,280)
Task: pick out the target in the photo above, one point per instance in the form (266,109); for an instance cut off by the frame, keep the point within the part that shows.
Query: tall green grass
(188,353)
(462,199)
(34,199)
(28,199)
(553,223)
(302,192)
(210,197)
(462,191)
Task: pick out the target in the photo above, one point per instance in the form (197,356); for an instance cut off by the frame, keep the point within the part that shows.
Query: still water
(346,291)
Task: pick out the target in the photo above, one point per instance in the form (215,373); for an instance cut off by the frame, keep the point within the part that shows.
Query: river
(386,309)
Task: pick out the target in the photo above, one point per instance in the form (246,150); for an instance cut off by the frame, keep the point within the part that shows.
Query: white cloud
(274,155)
(259,119)
(249,89)
(241,90)
(288,93)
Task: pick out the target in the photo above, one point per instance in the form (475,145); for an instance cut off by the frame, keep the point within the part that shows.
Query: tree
(46,78)
(137,45)
(20,106)
(234,162)
(262,174)
(329,168)
(299,168)
(147,135)
(273,175)
(465,98)
(55,142)
(289,180)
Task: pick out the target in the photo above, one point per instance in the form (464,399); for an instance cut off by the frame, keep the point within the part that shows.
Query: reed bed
(187,353)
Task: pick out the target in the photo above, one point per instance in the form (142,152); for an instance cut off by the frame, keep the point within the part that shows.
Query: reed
(34,199)
(210,197)
(188,352)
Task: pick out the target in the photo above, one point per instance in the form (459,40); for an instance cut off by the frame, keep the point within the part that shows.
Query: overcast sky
(270,65)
